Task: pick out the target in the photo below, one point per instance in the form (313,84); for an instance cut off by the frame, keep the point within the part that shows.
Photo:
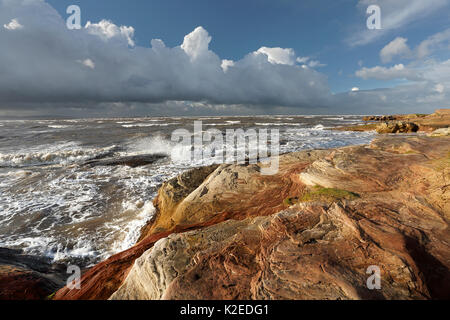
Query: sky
(214,57)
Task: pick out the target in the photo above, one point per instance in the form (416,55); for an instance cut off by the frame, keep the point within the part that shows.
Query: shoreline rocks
(24,277)
(130,161)
(379,118)
(308,232)
(406,123)
(440,132)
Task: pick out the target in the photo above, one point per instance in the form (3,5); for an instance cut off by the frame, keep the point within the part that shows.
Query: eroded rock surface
(397,127)
(308,251)
(231,234)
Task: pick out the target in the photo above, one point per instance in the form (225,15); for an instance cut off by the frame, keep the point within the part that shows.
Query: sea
(55,203)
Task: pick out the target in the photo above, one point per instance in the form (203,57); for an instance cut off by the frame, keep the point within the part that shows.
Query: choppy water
(52,204)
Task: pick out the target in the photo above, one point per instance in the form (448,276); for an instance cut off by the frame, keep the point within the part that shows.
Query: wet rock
(130,161)
(24,277)
(308,251)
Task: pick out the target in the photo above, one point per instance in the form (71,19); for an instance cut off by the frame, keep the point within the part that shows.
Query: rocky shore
(310,231)
(408,123)
(24,277)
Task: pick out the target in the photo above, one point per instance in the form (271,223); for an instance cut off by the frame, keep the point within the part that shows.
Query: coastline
(218,222)
(226,232)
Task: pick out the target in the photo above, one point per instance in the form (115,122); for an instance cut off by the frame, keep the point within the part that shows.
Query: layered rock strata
(308,232)
(25,277)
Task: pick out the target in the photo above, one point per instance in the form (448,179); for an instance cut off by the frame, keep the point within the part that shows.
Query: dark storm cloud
(45,67)
(43,61)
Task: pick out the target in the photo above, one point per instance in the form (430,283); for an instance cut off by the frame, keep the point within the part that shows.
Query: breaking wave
(64,153)
(71,212)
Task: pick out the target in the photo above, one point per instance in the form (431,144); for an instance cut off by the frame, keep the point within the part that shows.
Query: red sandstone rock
(22,284)
(314,250)
(24,277)
(426,123)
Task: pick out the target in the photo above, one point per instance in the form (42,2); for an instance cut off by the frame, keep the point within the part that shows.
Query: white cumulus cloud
(108,30)
(51,68)
(396,47)
(278,55)
(398,71)
(134,74)
(13,25)
(226,64)
(196,43)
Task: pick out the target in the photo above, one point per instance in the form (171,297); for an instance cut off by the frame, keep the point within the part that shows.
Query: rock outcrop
(130,161)
(379,118)
(397,127)
(426,123)
(442,112)
(196,199)
(440,132)
(308,232)
(24,277)
(320,249)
